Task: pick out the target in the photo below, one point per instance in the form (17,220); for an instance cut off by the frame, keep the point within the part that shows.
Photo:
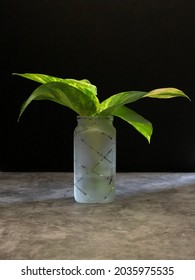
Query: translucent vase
(94,160)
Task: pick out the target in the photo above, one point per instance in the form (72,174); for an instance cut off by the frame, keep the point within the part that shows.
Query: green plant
(81,96)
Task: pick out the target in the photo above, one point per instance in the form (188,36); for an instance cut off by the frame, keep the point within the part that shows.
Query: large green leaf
(83,85)
(40,78)
(117,100)
(137,121)
(66,95)
(166,93)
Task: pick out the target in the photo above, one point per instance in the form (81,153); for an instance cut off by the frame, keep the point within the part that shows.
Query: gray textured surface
(153,217)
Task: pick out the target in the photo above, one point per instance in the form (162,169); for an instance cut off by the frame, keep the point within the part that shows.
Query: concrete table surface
(153,217)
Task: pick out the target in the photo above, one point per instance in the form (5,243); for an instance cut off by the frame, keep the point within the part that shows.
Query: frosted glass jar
(94,159)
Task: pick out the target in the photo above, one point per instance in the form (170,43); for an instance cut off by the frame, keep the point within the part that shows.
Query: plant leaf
(83,85)
(117,100)
(40,78)
(137,121)
(165,93)
(66,95)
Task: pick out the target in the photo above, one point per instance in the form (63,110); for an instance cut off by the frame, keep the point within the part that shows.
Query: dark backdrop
(118,45)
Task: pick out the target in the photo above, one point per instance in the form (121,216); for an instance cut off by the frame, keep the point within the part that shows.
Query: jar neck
(94,120)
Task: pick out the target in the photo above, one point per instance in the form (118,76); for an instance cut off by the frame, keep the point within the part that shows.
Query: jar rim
(95,117)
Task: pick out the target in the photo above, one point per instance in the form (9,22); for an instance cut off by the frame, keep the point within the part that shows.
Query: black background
(118,45)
